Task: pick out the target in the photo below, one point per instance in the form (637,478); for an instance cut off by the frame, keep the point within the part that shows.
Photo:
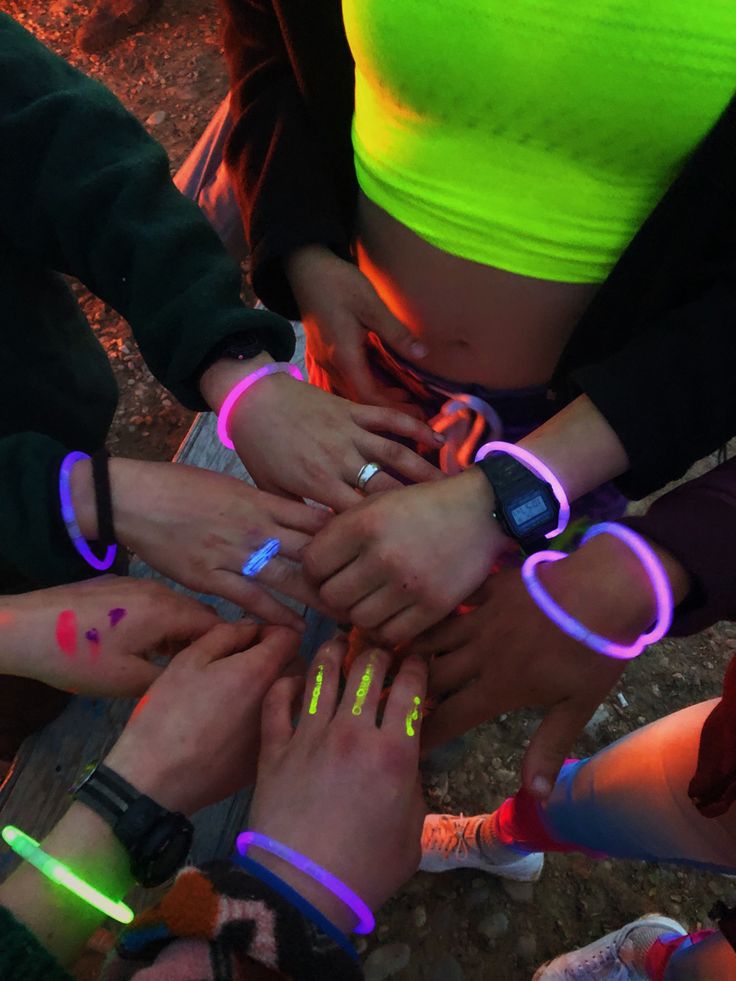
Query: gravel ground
(460,925)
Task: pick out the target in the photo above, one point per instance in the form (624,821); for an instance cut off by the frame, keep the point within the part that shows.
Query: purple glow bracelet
(366,920)
(538,468)
(242,386)
(573,628)
(70,518)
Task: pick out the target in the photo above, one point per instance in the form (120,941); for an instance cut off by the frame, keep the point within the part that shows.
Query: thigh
(630,800)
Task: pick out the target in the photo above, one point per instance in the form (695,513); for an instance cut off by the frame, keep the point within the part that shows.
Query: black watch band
(157,840)
(526,507)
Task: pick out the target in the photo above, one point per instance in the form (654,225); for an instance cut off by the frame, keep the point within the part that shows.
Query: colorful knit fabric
(215,923)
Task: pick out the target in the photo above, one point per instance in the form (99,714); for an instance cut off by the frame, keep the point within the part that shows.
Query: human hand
(193,739)
(339,789)
(93,637)
(339,306)
(299,441)
(200,527)
(506,654)
(399,563)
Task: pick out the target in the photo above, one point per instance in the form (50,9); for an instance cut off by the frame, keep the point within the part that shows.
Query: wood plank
(35,796)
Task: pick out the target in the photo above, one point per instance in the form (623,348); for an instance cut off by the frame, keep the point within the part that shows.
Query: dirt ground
(462,925)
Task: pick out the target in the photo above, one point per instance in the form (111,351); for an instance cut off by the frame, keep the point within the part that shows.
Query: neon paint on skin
(66,632)
(363,689)
(6,619)
(93,636)
(62,875)
(116,615)
(412,716)
(261,557)
(316,690)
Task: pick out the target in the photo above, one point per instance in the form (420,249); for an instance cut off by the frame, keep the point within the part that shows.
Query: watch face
(165,851)
(529,511)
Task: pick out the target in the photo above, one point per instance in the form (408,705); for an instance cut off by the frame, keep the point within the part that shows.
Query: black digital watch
(157,840)
(526,507)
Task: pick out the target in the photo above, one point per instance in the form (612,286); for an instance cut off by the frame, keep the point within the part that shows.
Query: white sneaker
(619,956)
(450,841)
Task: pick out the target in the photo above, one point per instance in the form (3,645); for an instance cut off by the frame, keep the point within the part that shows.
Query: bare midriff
(481,324)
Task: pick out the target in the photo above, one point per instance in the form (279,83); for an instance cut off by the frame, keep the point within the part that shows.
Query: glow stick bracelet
(70,518)
(366,920)
(242,386)
(538,468)
(62,875)
(573,628)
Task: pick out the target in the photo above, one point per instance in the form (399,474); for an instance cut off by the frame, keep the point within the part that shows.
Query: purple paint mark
(93,636)
(116,615)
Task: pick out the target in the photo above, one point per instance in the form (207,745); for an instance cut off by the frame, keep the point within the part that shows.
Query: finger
(363,688)
(360,384)
(333,548)
(381,606)
(376,316)
(446,637)
(303,518)
(457,715)
(276,726)
(407,624)
(220,642)
(275,650)
(403,712)
(336,494)
(351,585)
(551,745)
(253,598)
(398,458)
(322,686)
(381,420)
(449,672)
(290,579)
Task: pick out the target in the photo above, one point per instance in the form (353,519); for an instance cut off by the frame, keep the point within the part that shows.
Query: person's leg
(704,960)
(204,179)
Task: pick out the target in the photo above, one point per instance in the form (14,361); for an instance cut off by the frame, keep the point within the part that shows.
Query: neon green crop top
(533,135)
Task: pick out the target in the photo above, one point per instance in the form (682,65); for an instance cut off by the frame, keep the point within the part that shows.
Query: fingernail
(541,787)
(419,350)
(440,438)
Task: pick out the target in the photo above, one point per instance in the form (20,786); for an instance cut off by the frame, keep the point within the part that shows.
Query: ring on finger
(365,473)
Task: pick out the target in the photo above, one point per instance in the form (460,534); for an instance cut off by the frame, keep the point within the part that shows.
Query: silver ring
(365,473)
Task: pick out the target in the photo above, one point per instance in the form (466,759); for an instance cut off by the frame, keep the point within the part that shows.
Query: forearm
(580,448)
(61,921)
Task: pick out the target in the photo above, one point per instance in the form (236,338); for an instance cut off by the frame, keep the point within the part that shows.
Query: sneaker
(619,956)
(451,842)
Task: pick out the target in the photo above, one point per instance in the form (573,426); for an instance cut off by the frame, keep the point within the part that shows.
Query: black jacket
(654,351)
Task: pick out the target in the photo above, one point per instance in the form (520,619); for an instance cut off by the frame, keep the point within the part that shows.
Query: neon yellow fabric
(533,135)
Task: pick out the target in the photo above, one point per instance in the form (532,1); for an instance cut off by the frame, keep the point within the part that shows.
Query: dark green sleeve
(87,192)
(35,549)
(22,958)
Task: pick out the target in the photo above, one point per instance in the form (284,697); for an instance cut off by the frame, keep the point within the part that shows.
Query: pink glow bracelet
(538,468)
(242,386)
(70,518)
(573,628)
(366,920)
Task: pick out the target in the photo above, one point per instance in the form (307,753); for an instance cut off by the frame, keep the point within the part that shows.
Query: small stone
(361,945)
(447,969)
(156,118)
(526,947)
(479,896)
(494,926)
(520,892)
(384,962)
(419,916)
(599,718)
(496,762)
(675,898)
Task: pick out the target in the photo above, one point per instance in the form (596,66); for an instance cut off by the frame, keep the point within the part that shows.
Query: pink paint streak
(66,632)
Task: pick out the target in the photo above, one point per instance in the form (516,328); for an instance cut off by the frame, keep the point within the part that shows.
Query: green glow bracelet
(59,873)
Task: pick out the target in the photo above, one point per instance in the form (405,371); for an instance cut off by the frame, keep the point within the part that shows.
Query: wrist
(320,897)
(218,380)
(302,261)
(477,497)
(605,586)
(83,499)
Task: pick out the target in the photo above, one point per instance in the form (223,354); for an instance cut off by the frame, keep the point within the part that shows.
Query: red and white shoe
(450,841)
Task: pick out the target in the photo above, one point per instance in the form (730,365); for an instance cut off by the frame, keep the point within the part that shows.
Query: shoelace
(450,834)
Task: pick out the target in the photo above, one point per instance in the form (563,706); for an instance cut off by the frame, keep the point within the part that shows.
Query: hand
(339,789)
(193,740)
(200,527)
(507,654)
(93,637)
(339,306)
(299,441)
(401,562)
